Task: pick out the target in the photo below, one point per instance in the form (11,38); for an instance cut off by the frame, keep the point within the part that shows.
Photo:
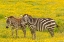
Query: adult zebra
(39,24)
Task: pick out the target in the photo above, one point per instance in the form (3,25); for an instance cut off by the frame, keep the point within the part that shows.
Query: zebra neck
(33,22)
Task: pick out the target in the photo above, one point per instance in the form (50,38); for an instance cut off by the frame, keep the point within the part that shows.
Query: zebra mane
(29,16)
(11,17)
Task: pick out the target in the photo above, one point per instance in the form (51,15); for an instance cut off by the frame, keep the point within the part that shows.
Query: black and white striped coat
(42,23)
(39,24)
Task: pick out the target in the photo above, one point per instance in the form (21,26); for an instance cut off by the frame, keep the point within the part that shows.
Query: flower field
(36,8)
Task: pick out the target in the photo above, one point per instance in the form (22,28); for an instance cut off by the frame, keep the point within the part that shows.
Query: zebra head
(26,19)
(8,21)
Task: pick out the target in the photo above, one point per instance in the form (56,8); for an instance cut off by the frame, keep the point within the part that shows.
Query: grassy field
(36,8)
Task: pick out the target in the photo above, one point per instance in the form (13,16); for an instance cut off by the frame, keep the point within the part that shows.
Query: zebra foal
(15,24)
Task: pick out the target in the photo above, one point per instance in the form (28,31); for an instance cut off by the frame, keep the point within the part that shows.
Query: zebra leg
(16,32)
(51,31)
(33,33)
(24,31)
(12,32)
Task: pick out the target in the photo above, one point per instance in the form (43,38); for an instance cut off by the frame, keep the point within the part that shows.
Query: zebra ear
(21,15)
(6,17)
(25,15)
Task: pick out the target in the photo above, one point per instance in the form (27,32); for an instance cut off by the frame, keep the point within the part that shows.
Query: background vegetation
(36,8)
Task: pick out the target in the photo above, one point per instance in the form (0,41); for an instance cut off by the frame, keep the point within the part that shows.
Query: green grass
(1,16)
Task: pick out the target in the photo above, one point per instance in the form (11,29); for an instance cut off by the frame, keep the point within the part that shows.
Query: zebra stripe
(39,24)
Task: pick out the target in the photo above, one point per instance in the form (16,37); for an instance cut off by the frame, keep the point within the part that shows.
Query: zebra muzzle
(7,27)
